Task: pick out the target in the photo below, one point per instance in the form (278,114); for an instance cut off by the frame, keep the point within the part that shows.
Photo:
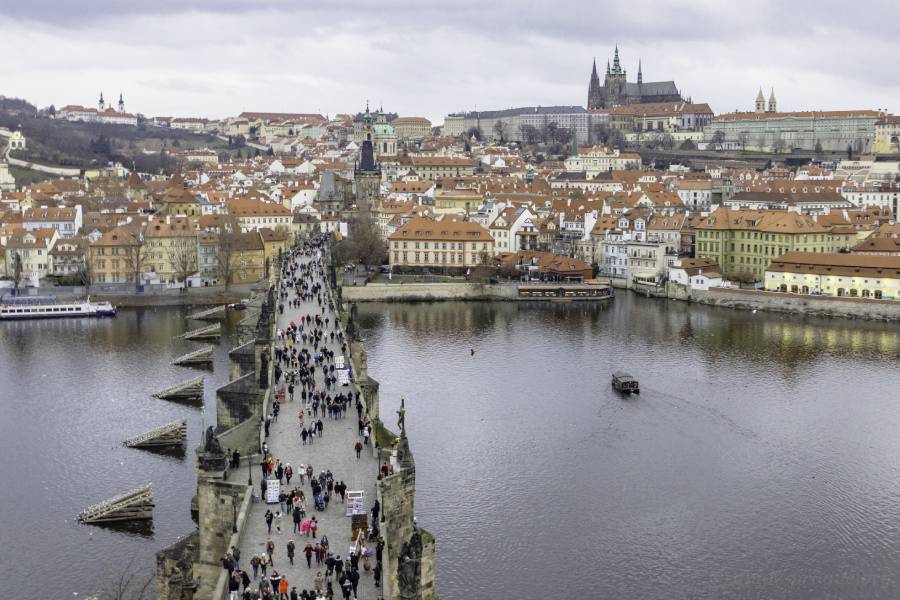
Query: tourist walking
(290,551)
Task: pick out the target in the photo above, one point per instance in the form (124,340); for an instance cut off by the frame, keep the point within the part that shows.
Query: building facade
(449,244)
(835,274)
(830,131)
(744,242)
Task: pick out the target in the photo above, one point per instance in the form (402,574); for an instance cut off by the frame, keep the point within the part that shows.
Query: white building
(833,131)
(65,220)
(696,273)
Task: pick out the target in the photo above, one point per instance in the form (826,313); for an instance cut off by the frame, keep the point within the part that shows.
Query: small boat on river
(625,383)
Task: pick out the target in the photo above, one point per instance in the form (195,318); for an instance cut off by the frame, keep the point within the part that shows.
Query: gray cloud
(425,57)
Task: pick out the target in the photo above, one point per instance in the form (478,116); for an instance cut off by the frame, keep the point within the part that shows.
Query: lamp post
(233,515)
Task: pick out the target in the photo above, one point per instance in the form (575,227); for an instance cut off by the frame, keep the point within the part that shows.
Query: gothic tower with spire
(760,102)
(595,96)
(772,104)
(102,103)
(615,82)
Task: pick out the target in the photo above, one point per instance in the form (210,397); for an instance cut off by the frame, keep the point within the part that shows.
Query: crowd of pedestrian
(305,376)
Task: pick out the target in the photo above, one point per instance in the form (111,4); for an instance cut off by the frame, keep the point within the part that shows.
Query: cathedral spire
(595,99)
(617,67)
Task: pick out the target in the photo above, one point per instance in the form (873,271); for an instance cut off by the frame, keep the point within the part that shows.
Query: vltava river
(761,460)
(70,392)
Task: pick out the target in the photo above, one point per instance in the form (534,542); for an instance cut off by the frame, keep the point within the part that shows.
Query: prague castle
(616,91)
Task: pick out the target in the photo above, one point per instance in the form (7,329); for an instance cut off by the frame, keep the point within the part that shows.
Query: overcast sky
(217,58)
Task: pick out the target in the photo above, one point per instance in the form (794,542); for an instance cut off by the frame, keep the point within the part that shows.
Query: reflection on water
(759,460)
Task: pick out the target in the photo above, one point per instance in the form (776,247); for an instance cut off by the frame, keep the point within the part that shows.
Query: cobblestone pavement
(333,451)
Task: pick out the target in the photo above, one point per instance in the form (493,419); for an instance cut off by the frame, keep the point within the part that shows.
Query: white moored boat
(23,309)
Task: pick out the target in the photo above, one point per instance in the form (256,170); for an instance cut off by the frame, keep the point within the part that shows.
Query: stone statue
(401,416)
(264,368)
(409,567)
(352,329)
(211,444)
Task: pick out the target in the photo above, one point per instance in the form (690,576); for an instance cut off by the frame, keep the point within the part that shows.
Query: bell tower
(101,104)
(760,102)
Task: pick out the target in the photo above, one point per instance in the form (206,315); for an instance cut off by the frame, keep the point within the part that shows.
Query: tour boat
(22,309)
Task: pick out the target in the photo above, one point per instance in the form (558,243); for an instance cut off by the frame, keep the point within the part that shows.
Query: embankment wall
(819,306)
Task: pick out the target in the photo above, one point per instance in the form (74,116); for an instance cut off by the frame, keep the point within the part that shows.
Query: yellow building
(177,201)
(457,200)
(412,128)
(448,244)
(248,257)
(274,244)
(170,249)
(442,167)
(744,242)
(835,274)
(115,256)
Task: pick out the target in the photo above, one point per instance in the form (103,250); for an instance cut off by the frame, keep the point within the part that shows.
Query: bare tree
(16,271)
(128,585)
(183,257)
(760,142)
(718,137)
(500,128)
(474,132)
(134,257)
(225,256)
(86,269)
(778,144)
(364,244)
(529,134)
(743,138)
(550,132)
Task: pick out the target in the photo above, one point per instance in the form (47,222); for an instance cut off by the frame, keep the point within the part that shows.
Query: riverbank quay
(474,291)
(733,298)
(195,296)
(783,302)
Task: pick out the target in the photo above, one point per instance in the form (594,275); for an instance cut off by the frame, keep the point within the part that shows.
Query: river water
(760,460)
(70,392)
